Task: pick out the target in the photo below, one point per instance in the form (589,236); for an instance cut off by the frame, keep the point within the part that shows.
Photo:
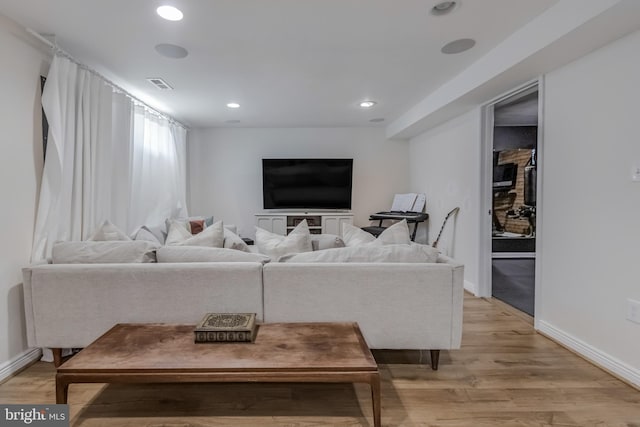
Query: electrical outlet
(633,310)
(635,173)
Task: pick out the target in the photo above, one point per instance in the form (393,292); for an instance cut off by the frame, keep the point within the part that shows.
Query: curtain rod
(59,51)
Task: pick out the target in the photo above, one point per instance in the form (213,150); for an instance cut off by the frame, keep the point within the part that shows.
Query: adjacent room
(282,212)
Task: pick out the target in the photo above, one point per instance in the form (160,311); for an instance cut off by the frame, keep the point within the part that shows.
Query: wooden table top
(164,348)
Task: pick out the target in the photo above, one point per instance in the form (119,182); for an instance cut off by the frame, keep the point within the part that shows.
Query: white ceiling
(289,63)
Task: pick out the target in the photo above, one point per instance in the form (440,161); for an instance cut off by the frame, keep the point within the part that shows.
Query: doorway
(514,172)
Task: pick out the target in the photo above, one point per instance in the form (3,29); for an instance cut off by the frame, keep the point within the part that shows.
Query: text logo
(34,415)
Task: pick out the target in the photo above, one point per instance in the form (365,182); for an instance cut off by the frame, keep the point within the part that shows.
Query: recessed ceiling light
(377,120)
(443,8)
(170,13)
(367,104)
(233,105)
(171,50)
(458,46)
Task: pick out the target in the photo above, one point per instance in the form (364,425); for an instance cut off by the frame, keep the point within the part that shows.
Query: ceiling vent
(159,83)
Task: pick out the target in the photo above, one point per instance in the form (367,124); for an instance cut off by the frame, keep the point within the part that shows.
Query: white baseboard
(471,287)
(17,363)
(596,356)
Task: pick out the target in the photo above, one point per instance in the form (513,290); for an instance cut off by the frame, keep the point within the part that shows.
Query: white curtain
(158,189)
(107,158)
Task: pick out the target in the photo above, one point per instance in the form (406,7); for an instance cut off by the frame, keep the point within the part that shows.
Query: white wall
(21,168)
(445,165)
(225,169)
(590,208)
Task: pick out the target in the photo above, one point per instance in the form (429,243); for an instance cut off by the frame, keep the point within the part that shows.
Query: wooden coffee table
(282,352)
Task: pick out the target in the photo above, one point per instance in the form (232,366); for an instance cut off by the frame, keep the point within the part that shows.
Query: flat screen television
(504,176)
(307,183)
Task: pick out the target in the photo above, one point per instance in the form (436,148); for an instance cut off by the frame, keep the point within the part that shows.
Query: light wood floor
(504,375)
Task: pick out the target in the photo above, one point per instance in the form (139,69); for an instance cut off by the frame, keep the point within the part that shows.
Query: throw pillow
(275,245)
(182,222)
(177,233)
(103,252)
(326,241)
(396,234)
(203,254)
(365,253)
(144,233)
(211,236)
(196,226)
(233,241)
(107,231)
(355,236)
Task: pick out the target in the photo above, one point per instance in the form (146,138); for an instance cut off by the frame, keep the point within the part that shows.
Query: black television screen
(307,183)
(504,176)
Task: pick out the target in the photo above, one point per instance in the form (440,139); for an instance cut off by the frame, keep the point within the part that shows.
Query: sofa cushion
(212,236)
(369,253)
(107,231)
(204,254)
(326,241)
(233,241)
(275,245)
(106,252)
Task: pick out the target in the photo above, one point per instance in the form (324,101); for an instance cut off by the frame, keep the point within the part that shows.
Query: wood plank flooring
(504,375)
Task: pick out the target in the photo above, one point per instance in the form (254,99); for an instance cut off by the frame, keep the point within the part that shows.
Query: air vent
(159,83)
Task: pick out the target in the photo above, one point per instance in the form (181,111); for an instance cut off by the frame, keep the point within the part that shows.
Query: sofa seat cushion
(413,253)
(204,254)
(107,252)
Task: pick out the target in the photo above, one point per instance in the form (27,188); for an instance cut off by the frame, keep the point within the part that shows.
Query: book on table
(226,327)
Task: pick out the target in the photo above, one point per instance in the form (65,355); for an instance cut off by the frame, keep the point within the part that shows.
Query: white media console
(319,222)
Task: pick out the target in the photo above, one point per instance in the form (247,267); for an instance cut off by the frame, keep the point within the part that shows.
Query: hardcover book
(226,327)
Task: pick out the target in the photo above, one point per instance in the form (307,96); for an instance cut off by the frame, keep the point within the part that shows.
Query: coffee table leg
(62,389)
(374,381)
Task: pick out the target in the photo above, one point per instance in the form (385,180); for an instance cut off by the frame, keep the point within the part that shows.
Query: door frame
(486,191)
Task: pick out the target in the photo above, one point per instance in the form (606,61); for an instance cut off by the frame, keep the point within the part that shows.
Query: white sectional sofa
(397,305)
(403,295)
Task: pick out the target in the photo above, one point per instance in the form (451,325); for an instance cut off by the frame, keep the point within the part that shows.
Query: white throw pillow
(355,236)
(212,236)
(203,254)
(144,233)
(326,241)
(233,241)
(275,245)
(177,233)
(367,253)
(396,234)
(108,232)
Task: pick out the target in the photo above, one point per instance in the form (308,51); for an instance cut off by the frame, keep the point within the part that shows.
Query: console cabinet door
(333,224)
(275,224)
